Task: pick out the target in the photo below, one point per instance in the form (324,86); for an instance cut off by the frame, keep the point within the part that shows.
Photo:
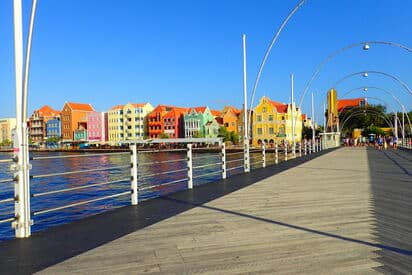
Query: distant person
(395,142)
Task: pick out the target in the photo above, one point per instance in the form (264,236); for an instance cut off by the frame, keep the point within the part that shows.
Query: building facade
(230,117)
(38,123)
(156,120)
(97,126)
(173,123)
(128,122)
(272,122)
(71,116)
(53,128)
(195,121)
(6,127)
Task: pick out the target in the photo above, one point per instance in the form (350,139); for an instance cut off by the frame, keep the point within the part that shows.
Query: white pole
(134,188)
(276,154)
(396,125)
(189,167)
(313,124)
(263,155)
(223,160)
(293,114)
(403,125)
(21,186)
(245,120)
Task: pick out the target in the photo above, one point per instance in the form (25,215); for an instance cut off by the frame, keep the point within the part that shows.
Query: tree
(372,129)
(198,135)
(228,136)
(163,135)
(6,142)
(362,117)
(53,140)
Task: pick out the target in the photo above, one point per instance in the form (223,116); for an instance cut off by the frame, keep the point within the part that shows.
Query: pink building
(97,127)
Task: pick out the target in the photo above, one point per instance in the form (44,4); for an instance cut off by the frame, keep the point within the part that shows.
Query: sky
(189,53)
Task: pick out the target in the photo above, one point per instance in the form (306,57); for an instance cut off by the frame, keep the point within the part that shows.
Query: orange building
(230,118)
(347,104)
(71,115)
(155,120)
(37,123)
(173,123)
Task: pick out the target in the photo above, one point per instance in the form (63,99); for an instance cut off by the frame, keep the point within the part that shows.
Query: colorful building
(212,128)
(128,122)
(97,127)
(272,122)
(38,122)
(196,120)
(72,115)
(230,118)
(156,120)
(53,128)
(6,127)
(173,123)
(350,103)
(240,123)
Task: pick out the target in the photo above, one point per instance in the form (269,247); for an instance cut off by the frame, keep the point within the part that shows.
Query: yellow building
(272,122)
(333,117)
(6,126)
(128,122)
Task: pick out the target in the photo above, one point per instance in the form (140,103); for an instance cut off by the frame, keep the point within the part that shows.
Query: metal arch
(331,56)
(397,79)
(362,112)
(397,118)
(267,53)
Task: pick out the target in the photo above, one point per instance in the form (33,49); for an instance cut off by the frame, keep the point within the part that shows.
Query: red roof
(117,107)
(304,116)
(175,112)
(349,103)
(216,112)
(280,107)
(47,111)
(80,106)
(198,109)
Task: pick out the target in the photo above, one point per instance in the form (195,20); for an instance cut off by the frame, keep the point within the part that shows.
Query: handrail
(6,180)
(233,168)
(207,165)
(162,184)
(160,162)
(5,160)
(236,153)
(77,188)
(7,220)
(234,160)
(162,151)
(7,200)
(207,174)
(81,156)
(79,171)
(163,173)
(79,203)
(205,157)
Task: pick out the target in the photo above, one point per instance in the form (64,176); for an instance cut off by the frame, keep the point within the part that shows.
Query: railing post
(134,188)
(286,151)
(223,160)
(300,148)
(310,147)
(263,155)
(305,146)
(246,155)
(189,167)
(276,154)
(294,149)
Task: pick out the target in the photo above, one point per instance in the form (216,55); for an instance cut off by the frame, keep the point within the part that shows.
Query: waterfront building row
(271,122)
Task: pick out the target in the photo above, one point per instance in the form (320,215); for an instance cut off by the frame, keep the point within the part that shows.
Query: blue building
(53,128)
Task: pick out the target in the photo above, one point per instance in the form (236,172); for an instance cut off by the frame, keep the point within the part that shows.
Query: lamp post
(245,119)
(313,125)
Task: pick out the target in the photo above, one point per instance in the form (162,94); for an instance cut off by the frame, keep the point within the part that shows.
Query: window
(271,132)
(259,118)
(259,131)
(270,117)
(264,110)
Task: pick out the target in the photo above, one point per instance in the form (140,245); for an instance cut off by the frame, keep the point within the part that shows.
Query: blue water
(151,167)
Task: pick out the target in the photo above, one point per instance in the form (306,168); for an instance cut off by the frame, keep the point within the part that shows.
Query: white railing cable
(163,173)
(162,184)
(79,172)
(207,174)
(161,162)
(81,156)
(7,220)
(80,203)
(7,200)
(77,188)
(207,165)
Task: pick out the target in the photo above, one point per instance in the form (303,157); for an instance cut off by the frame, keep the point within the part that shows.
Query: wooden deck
(346,212)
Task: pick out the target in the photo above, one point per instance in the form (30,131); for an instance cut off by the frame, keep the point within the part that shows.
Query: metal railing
(151,173)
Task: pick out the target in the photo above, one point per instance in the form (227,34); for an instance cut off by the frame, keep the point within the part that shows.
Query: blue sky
(188,53)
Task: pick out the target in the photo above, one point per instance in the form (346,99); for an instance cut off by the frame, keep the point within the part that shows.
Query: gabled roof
(349,103)
(216,113)
(80,106)
(197,109)
(161,109)
(117,107)
(47,111)
(175,112)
